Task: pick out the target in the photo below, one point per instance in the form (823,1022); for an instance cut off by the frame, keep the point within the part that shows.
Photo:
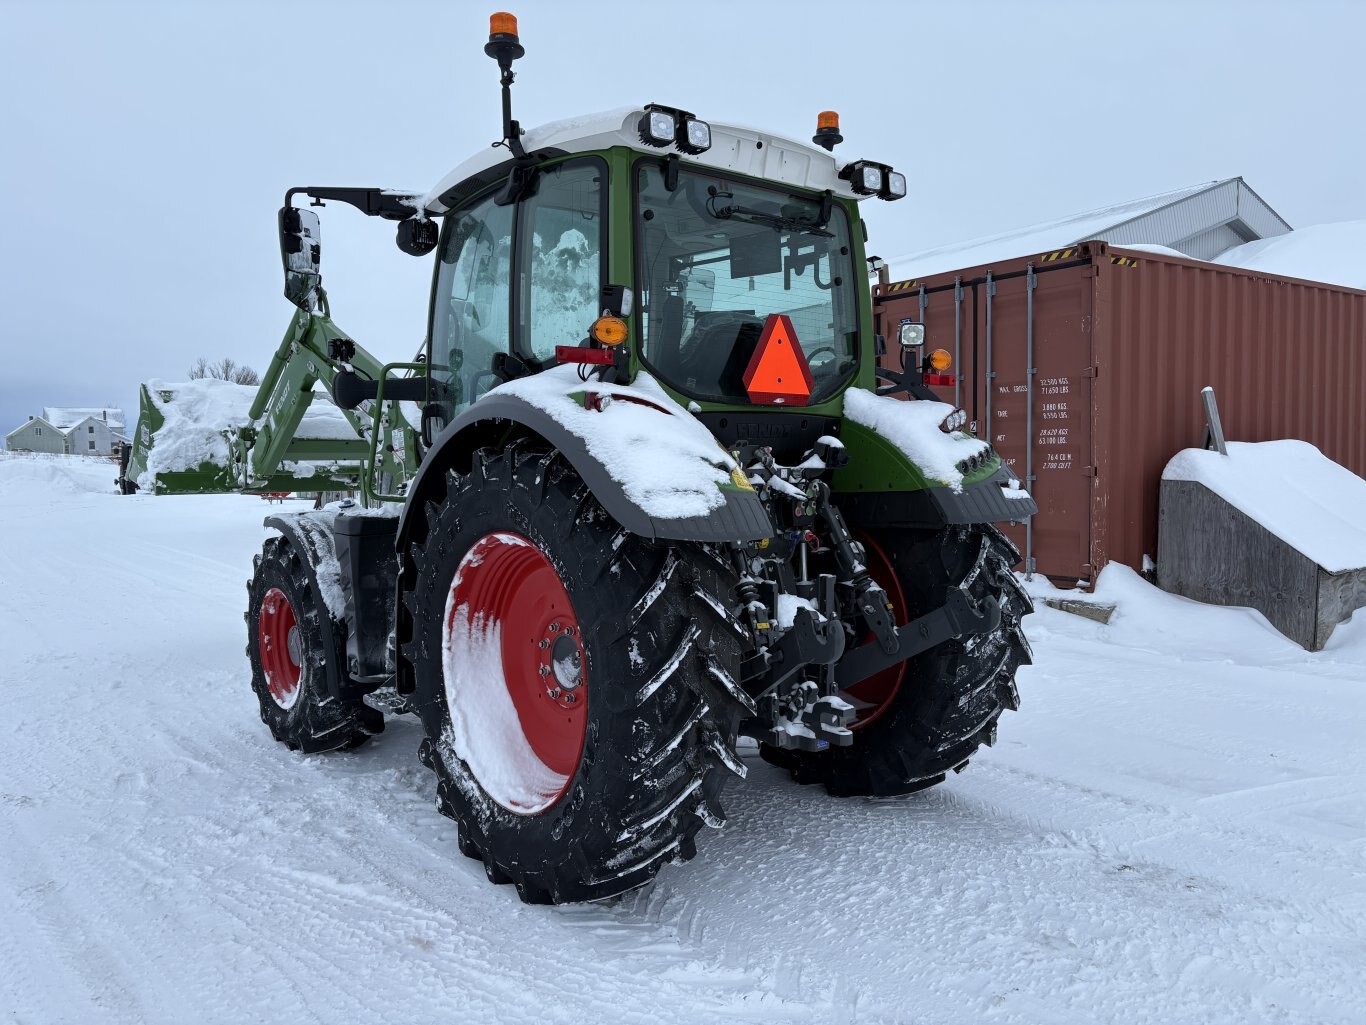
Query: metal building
(1201,221)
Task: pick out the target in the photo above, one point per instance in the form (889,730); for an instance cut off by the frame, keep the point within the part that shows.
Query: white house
(36,436)
(82,431)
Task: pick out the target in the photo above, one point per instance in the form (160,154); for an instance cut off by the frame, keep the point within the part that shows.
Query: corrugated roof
(66,417)
(1169,218)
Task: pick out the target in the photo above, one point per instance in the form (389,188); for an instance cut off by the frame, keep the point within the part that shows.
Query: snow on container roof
(737,148)
(1290,488)
(1199,221)
(1331,253)
(66,417)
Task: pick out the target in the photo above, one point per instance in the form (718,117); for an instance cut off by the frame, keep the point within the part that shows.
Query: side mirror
(300,251)
(911,335)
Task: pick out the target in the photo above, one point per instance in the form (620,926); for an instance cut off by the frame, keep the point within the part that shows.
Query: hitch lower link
(959,616)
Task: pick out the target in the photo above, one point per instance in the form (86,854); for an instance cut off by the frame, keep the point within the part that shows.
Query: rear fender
(686,470)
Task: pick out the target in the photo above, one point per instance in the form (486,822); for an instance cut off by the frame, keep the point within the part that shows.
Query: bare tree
(225,369)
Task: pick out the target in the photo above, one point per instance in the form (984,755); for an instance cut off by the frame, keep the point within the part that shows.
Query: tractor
(652,489)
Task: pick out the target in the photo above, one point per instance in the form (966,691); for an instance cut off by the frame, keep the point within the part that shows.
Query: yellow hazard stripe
(1058,254)
(1124,261)
(900,286)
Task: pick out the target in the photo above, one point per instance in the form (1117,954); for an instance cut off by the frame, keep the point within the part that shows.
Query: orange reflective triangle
(778,373)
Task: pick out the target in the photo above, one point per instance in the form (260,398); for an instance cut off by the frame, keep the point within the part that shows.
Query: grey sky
(147,147)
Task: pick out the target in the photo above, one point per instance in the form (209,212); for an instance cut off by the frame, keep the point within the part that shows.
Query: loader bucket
(192,438)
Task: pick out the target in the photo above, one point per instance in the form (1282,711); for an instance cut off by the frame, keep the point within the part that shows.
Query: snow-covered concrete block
(1275,526)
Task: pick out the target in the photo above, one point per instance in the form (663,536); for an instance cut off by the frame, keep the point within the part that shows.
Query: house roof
(32,421)
(66,417)
(1199,220)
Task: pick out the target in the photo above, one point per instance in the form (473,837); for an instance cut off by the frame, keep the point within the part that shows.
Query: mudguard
(690,474)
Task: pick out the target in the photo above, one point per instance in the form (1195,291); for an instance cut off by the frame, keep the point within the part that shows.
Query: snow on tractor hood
(666,462)
(913,427)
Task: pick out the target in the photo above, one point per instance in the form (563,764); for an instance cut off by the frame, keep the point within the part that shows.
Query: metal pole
(1214,430)
(990,374)
(924,303)
(957,341)
(1031,282)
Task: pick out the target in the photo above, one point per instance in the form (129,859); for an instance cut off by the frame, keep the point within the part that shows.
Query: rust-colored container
(1084,368)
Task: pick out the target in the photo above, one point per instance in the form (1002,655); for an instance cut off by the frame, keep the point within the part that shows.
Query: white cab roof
(734,148)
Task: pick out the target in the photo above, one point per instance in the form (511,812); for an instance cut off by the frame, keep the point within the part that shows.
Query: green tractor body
(645,492)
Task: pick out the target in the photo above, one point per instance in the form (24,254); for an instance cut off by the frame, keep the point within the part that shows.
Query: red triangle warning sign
(778,373)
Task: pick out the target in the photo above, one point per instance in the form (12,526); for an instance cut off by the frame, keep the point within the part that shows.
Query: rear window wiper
(719,208)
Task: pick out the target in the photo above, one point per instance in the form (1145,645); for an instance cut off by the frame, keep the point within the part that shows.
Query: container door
(1040,421)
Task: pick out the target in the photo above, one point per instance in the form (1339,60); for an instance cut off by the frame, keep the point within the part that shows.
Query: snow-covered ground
(1171,830)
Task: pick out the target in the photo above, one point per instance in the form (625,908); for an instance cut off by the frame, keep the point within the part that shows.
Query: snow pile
(664,459)
(1331,253)
(1293,490)
(41,473)
(199,413)
(913,427)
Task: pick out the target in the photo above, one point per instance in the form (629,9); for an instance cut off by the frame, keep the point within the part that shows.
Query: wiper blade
(725,212)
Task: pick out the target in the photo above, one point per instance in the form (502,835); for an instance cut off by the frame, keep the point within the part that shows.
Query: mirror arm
(392,206)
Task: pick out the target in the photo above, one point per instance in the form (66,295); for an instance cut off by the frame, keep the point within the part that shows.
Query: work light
(661,125)
(658,127)
(695,136)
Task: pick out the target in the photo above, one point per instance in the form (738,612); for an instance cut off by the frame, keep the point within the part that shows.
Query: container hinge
(991,287)
(1092,372)
(1088,471)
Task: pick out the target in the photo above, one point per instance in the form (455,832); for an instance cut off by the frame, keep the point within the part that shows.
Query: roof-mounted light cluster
(662,126)
(868,178)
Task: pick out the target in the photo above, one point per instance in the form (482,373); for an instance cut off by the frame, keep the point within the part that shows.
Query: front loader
(645,492)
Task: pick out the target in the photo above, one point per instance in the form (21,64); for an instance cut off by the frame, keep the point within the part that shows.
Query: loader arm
(283,441)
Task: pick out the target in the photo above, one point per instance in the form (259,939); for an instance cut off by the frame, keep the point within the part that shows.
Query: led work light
(869,178)
(661,126)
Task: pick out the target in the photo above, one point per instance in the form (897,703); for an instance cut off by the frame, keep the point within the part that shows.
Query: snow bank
(664,459)
(913,427)
(1293,490)
(199,413)
(35,473)
(1331,253)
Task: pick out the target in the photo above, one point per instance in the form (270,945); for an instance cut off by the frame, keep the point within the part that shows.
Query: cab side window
(560,258)
(470,316)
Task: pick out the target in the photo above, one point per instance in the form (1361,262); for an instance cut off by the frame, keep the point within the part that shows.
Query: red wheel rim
(278,641)
(873,696)
(515,674)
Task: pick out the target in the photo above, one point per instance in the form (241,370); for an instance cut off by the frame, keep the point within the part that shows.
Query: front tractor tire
(927,716)
(288,639)
(576,681)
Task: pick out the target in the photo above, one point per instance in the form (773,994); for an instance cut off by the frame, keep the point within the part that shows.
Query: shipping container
(1083,366)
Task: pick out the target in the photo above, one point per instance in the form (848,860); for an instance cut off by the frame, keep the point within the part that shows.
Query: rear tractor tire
(287,639)
(576,682)
(921,719)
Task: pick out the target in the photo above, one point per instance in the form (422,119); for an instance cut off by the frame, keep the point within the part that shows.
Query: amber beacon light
(827,130)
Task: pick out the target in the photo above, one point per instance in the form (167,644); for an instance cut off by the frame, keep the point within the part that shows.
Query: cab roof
(736,148)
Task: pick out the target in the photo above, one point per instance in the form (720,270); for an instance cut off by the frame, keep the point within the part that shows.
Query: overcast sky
(147,146)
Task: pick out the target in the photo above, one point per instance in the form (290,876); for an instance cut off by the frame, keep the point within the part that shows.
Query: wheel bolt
(570,698)
(543,643)
(554,627)
(545,670)
(554,692)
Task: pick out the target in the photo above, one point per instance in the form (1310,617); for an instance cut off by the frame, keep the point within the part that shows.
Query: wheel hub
(515,673)
(280,645)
